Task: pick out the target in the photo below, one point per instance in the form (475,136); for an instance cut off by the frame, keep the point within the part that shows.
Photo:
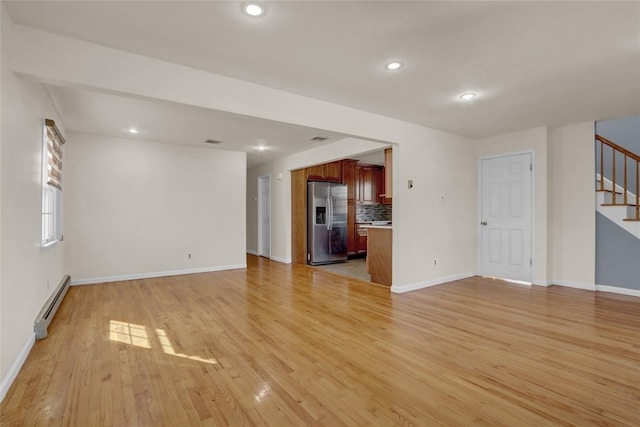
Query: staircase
(617,197)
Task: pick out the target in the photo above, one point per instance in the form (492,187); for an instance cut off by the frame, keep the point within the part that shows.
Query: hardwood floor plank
(290,345)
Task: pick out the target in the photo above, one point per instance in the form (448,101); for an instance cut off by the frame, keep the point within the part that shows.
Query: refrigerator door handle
(328,220)
(330,213)
(331,217)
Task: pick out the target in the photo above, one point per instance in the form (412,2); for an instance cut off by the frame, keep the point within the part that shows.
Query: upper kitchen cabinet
(366,191)
(325,172)
(349,178)
(388,177)
(334,171)
(369,184)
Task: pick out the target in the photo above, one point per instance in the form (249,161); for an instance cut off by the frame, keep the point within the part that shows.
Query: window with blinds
(54,143)
(51,183)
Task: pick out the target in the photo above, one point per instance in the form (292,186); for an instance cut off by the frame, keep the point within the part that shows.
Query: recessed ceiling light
(393,65)
(467,96)
(261,147)
(253,9)
(133,131)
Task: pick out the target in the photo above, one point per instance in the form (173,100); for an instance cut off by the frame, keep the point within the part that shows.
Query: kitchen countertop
(384,227)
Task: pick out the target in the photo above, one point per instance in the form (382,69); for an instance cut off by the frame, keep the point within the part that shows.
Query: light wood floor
(284,345)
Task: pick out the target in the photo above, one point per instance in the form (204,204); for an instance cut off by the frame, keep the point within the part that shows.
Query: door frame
(262,181)
(533,210)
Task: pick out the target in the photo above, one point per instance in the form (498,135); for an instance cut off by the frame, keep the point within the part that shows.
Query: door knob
(483,223)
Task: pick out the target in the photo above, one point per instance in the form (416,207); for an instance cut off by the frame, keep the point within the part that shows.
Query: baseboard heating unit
(50,307)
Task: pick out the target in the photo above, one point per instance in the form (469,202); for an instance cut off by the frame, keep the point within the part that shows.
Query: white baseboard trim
(617,290)
(282,260)
(577,285)
(598,288)
(250,252)
(543,283)
(155,274)
(428,283)
(15,368)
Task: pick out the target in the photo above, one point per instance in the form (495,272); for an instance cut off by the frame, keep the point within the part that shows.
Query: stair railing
(628,174)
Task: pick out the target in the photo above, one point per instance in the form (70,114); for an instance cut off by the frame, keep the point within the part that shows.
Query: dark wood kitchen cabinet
(370,184)
(379,179)
(367,184)
(388,177)
(349,178)
(352,236)
(334,171)
(325,172)
(361,240)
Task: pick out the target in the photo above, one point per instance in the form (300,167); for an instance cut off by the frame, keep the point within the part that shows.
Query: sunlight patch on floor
(129,333)
(137,335)
(168,349)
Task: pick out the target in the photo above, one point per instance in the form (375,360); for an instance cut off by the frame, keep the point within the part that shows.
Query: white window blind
(54,154)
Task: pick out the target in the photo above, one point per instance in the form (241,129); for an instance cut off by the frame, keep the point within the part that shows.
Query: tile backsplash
(366,213)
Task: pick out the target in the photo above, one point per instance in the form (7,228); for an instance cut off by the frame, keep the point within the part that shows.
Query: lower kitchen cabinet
(351,229)
(379,255)
(361,240)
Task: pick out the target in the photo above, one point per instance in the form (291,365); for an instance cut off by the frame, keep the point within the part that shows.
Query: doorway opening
(264,216)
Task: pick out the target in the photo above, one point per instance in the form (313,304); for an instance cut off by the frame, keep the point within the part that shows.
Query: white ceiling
(531,63)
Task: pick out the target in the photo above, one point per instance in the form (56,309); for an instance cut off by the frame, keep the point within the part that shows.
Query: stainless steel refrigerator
(326,222)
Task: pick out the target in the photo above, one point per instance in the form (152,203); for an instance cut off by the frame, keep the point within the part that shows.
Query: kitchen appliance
(326,222)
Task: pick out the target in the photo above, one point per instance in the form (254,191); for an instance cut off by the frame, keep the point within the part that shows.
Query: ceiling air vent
(212,141)
(318,139)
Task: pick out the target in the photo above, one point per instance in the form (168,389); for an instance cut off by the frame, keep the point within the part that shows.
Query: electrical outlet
(189,256)
(435,262)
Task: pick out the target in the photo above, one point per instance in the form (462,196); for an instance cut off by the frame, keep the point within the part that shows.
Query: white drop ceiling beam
(63,60)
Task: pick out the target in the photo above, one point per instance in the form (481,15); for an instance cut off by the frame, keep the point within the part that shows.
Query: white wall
(135,207)
(572,240)
(26,266)
(436,219)
(536,141)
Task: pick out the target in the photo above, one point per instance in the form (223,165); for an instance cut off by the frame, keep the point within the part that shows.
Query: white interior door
(506,217)
(264,216)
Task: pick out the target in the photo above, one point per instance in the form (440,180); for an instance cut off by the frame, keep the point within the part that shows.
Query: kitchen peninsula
(379,253)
